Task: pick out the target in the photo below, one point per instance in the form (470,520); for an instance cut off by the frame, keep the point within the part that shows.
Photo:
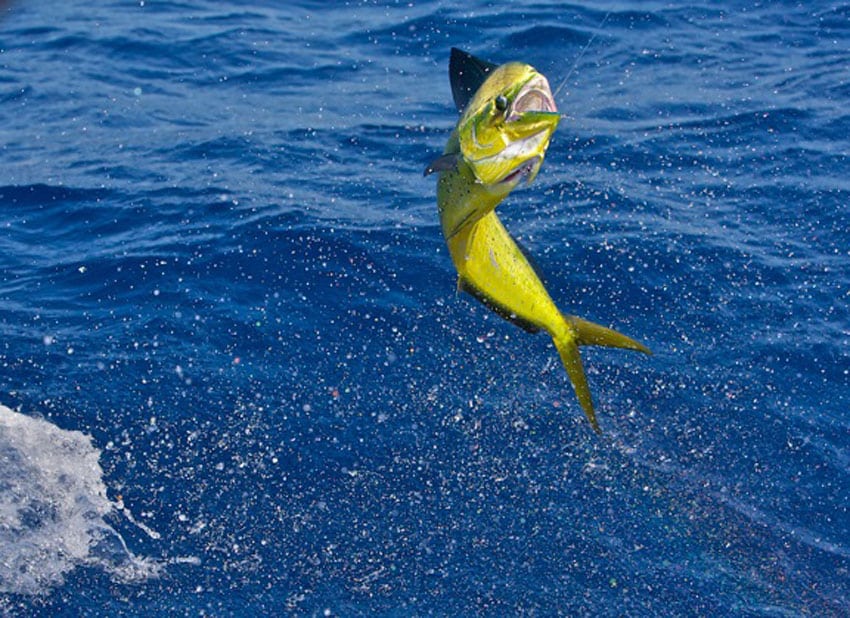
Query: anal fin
(503,312)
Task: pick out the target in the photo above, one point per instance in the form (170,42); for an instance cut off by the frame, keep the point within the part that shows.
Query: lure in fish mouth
(508,115)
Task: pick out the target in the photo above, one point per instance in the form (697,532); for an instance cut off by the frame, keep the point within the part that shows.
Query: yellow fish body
(508,115)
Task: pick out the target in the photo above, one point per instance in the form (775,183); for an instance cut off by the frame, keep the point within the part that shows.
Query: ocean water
(237,377)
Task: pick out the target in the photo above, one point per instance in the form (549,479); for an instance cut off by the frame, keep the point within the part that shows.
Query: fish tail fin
(568,349)
(581,332)
(588,333)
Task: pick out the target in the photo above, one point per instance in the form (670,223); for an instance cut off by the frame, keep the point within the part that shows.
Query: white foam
(52,507)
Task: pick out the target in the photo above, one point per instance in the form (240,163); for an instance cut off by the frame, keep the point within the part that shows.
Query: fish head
(505,128)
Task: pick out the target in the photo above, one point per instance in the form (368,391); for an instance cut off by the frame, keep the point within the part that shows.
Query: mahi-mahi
(508,115)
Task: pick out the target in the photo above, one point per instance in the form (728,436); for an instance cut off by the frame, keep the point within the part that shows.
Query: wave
(53,509)
(40,193)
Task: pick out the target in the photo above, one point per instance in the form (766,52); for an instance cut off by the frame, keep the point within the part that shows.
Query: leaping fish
(508,115)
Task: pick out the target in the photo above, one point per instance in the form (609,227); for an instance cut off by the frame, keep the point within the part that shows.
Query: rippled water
(220,261)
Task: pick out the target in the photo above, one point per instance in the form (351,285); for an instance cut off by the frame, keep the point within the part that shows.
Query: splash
(52,508)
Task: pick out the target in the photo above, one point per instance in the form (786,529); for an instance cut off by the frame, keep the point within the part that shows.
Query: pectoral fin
(445,163)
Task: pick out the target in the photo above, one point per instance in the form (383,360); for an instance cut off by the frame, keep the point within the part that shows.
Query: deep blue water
(220,260)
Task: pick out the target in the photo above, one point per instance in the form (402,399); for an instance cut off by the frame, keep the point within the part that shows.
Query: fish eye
(501,103)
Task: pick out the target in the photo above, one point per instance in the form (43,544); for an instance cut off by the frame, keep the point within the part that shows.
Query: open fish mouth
(535,97)
(505,140)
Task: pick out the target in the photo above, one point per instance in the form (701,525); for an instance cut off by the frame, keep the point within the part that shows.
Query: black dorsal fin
(466,73)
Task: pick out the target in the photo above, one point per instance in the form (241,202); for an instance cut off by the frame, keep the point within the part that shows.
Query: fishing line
(581,53)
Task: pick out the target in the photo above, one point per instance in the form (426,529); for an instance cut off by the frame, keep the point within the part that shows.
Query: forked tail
(581,332)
